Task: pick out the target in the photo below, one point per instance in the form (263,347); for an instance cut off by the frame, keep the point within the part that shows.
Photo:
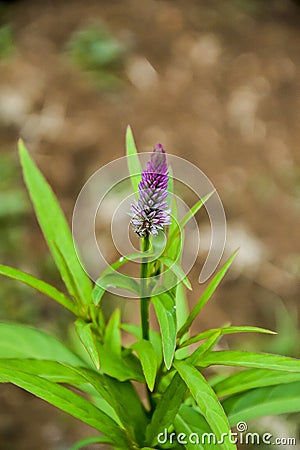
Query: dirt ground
(217,82)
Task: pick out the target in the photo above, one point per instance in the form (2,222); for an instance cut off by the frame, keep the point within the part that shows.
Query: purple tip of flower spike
(150,213)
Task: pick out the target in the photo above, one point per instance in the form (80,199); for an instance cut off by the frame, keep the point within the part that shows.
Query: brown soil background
(217,82)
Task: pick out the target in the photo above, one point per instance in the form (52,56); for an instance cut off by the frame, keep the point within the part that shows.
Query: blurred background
(216,82)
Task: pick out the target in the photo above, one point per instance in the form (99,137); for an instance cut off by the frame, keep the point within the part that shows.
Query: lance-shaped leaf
(50,370)
(63,373)
(88,339)
(99,290)
(204,348)
(282,399)
(114,395)
(124,367)
(40,286)
(181,305)
(147,356)
(223,331)
(199,435)
(206,296)
(166,409)
(176,269)
(133,161)
(165,310)
(22,341)
(179,227)
(119,395)
(154,338)
(112,339)
(116,280)
(170,402)
(207,402)
(55,229)
(253,378)
(249,359)
(173,249)
(69,402)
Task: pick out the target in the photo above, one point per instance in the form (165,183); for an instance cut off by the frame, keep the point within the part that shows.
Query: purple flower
(150,213)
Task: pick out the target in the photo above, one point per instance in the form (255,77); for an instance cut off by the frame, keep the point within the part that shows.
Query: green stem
(145,300)
(145,303)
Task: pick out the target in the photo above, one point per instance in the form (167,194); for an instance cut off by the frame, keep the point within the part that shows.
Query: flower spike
(150,213)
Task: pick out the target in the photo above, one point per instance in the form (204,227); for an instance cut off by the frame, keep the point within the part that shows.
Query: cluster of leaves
(96,51)
(180,397)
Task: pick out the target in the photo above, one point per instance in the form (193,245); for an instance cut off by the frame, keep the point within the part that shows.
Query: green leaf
(87,337)
(115,396)
(40,286)
(206,296)
(119,395)
(174,247)
(181,305)
(130,408)
(191,213)
(147,356)
(61,373)
(89,441)
(112,342)
(55,229)
(176,269)
(207,402)
(250,359)
(126,367)
(21,341)
(204,348)
(50,370)
(113,280)
(154,336)
(133,161)
(69,402)
(174,252)
(223,331)
(100,398)
(253,378)
(166,409)
(282,399)
(176,230)
(165,310)
(78,347)
(195,427)
(98,290)
(64,266)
